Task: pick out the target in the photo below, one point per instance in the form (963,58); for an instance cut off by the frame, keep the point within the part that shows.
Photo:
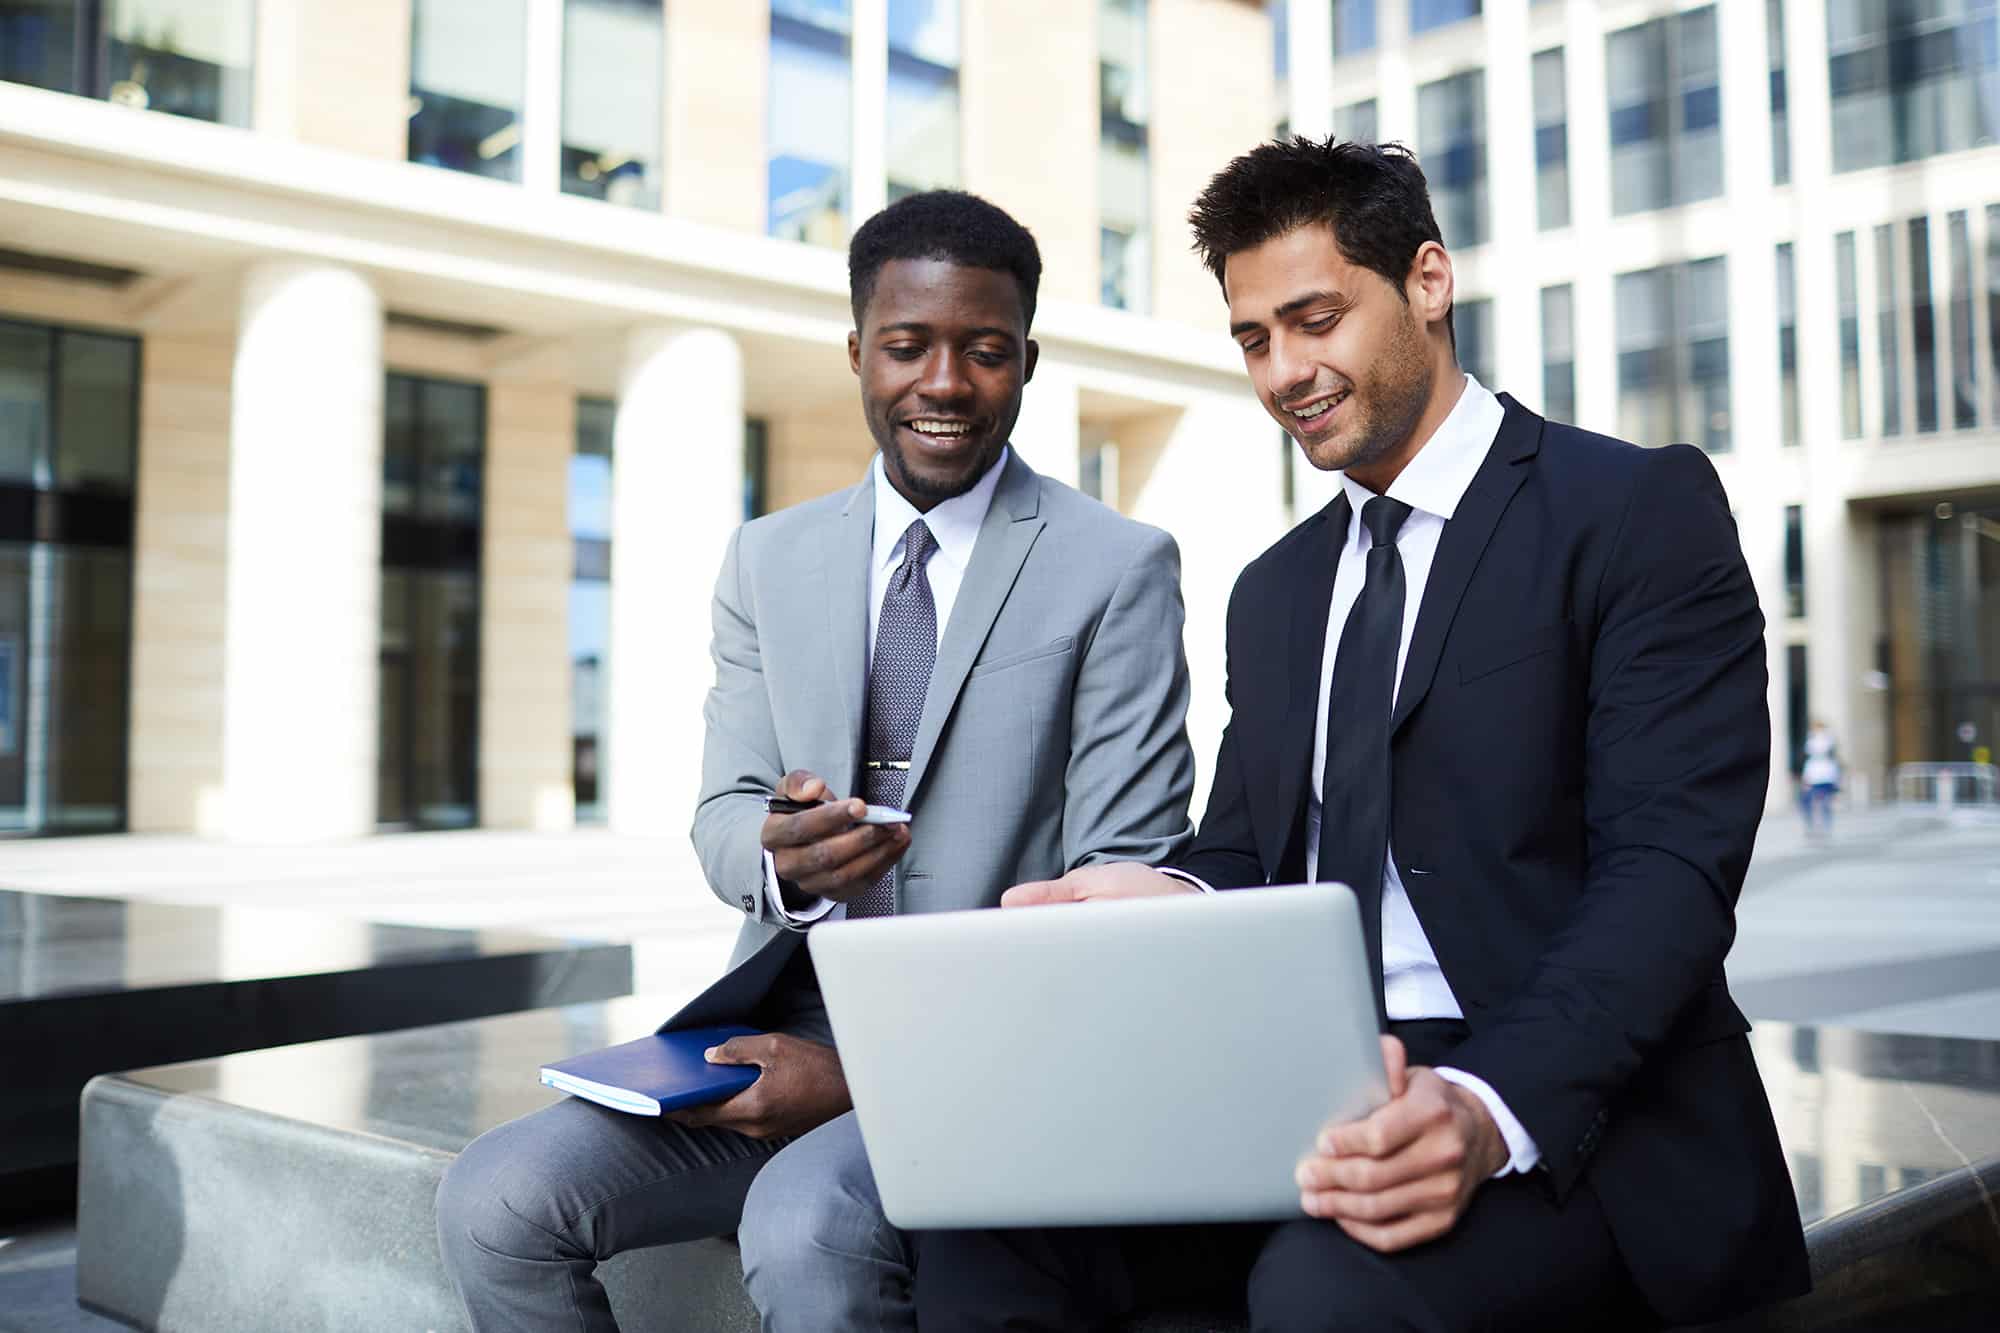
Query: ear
(1033,353)
(1430,284)
(854,351)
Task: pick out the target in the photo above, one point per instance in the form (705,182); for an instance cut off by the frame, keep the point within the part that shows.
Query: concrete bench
(294,1188)
(90,985)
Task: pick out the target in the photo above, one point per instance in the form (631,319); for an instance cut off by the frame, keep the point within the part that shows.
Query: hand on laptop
(823,852)
(1115,879)
(1403,1174)
(801,1088)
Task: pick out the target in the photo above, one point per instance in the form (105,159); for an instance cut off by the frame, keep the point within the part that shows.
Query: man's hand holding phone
(829,848)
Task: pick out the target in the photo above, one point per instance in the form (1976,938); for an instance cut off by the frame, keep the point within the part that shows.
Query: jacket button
(749,903)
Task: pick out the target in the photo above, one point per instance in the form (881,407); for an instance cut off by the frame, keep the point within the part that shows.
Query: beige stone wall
(1029,88)
(1212,96)
(817,453)
(524,691)
(180,578)
(718,62)
(335,75)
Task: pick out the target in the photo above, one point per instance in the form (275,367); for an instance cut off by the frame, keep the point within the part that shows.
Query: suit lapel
(1312,602)
(848,544)
(1459,550)
(1012,523)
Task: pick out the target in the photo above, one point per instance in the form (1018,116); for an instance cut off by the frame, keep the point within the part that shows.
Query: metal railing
(1946,786)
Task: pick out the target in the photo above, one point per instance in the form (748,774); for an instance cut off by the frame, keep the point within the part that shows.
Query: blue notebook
(663,1072)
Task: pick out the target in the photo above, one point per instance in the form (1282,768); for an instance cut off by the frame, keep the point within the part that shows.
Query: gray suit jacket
(1053,734)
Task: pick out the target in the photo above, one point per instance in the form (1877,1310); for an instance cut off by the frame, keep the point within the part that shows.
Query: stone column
(303,613)
(1516,363)
(180,575)
(524,687)
(718,63)
(677,497)
(335,75)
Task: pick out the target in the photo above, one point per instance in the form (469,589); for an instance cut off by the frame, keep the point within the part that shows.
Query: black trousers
(1514,1261)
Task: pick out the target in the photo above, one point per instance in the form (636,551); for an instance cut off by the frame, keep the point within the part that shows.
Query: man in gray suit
(955,635)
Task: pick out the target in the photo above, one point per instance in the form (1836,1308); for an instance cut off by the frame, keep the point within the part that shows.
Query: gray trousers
(530,1209)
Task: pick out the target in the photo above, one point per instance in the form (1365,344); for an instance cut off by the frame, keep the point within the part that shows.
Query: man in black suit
(1510,686)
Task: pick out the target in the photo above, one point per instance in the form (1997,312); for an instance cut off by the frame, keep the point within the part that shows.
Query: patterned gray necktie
(906,637)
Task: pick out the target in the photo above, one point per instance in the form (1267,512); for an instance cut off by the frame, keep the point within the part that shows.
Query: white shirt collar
(1442,471)
(954,523)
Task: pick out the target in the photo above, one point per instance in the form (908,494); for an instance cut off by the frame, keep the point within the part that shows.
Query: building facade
(380,382)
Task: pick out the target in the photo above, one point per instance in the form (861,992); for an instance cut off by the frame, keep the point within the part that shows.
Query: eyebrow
(917,326)
(1291,307)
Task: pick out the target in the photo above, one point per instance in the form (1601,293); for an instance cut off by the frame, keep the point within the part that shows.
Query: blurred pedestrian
(1819,779)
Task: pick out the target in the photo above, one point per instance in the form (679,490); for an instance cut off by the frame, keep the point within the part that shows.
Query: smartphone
(876,814)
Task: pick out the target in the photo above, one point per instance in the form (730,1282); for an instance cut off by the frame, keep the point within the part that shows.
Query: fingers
(1432,1193)
(803,785)
(1395,1059)
(1402,1234)
(1039,893)
(839,867)
(1437,1155)
(757,1050)
(811,826)
(1391,1127)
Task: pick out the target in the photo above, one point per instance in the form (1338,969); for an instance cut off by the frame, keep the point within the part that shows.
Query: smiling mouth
(943,430)
(1314,411)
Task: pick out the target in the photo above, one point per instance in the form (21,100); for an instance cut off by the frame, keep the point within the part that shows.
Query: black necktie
(898,678)
(1354,788)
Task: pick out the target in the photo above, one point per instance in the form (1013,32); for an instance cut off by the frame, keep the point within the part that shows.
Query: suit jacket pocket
(1053,648)
(1488,658)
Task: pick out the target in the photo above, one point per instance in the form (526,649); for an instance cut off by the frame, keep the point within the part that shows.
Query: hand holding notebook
(655,1074)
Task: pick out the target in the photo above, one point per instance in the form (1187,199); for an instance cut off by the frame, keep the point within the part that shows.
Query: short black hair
(1373,196)
(950,225)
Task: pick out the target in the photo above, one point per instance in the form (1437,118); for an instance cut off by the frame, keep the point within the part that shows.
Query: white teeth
(1320,409)
(941,427)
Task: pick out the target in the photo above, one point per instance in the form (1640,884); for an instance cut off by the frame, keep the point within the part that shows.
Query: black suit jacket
(1580,752)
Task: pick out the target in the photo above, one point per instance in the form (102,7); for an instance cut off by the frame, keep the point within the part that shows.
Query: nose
(943,379)
(1289,371)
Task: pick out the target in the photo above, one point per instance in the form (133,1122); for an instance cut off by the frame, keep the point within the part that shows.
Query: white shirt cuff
(1523,1155)
(775,895)
(1186,878)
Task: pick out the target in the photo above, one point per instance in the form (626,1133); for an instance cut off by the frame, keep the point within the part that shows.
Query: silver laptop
(1164,1060)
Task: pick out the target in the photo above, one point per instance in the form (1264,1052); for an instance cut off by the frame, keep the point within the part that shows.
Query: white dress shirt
(1413,985)
(954,525)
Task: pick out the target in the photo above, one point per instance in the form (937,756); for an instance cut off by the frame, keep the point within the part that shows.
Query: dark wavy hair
(950,225)
(1373,196)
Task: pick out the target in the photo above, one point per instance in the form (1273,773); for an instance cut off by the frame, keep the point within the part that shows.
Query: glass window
(811,115)
(1472,332)
(1964,361)
(922,96)
(184,57)
(1912,79)
(590,480)
(433,460)
(1781,133)
(1886,325)
(1551,141)
(1795,561)
(1281,64)
(468,72)
(614,62)
(1355,122)
(1673,354)
(1428,14)
(1353,27)
(1993,304)
(68,432)
(1666,112)
(1123,170)
(1923,324)
(1788,343)
(1451,142)
(1847,275)
(1558,353)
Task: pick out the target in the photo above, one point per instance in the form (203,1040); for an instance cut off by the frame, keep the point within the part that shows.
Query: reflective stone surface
(93,985)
